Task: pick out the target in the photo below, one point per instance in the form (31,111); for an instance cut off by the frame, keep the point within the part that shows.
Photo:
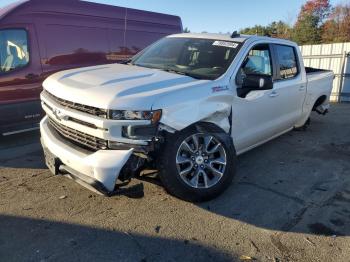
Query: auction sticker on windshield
(225,44)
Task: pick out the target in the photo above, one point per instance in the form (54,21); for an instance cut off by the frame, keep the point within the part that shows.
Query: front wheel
(197,164)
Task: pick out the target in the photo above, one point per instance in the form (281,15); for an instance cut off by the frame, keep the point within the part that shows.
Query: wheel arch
(204,126)
(221,119)
(319,101)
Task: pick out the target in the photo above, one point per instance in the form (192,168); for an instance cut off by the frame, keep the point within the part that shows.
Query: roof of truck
(227,37)
(223,37)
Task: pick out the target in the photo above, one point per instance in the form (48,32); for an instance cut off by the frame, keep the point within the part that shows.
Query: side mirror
(257,82)
(254,82)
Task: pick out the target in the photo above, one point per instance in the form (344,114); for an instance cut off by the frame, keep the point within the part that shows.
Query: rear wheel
(197,164)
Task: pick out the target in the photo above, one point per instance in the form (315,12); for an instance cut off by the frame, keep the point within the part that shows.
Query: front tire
(198,163)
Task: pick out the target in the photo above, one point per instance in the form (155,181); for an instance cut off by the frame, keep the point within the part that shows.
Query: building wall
(335,57)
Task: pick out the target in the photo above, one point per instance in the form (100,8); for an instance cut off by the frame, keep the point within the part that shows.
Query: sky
(216,16)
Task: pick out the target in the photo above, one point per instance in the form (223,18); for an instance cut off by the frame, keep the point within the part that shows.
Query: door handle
(273,94)
(301,88)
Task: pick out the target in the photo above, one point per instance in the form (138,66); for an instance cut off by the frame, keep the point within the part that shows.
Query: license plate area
(52,162)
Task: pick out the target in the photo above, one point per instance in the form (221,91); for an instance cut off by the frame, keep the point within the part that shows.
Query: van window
(13,49)
(287,61)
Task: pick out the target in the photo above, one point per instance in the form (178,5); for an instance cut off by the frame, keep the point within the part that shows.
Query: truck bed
(319,84)
(310,70)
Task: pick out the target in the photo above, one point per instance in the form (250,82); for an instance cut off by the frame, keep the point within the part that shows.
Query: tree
(317,22)
(317,8)
(307,29)
(186,30)
(255,30)
(337,27)
(278,29)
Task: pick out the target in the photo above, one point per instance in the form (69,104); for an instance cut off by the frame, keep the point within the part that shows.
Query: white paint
(259,117)
(103,165)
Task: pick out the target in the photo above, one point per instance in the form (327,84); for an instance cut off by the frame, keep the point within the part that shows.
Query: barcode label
(225,44)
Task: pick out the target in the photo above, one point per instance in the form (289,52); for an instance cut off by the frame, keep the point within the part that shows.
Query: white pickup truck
(186,105)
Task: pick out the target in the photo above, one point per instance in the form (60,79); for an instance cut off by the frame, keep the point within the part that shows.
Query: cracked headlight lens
(154,115)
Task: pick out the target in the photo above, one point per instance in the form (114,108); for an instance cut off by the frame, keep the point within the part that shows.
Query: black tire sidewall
(168,170)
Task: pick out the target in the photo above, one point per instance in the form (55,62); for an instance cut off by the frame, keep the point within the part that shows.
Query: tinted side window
(257,62)
(287,61)
(13,49)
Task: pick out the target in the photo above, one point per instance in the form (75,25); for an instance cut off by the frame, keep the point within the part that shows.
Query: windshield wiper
(182,73)
(126,62)
(171,70)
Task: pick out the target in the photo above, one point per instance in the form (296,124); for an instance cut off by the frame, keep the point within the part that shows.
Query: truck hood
(116,86)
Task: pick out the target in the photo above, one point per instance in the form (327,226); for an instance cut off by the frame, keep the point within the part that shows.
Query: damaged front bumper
(98,171)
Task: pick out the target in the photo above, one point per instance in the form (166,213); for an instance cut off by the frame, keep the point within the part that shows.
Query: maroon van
(40,37)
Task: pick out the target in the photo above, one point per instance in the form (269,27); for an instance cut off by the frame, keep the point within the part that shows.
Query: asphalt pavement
(290,201)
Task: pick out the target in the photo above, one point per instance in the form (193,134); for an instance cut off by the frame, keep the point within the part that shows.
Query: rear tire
(201,171)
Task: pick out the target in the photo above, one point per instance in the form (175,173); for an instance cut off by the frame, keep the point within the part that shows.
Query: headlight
(154,116)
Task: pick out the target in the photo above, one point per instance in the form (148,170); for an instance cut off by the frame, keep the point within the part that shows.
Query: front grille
(79,138)
(79,107)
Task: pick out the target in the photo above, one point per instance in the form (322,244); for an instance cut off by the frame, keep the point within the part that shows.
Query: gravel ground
(290,201)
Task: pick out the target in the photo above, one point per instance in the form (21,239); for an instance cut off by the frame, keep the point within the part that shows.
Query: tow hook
(322,109)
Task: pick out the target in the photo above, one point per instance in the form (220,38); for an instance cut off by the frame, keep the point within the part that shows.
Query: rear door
(290,83)
(262,114)
(20,77)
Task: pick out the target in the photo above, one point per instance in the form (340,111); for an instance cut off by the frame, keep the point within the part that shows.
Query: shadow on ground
(42,240)
(299,182)
(21,151)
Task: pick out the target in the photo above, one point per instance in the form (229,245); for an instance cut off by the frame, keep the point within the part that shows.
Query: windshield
(198,58)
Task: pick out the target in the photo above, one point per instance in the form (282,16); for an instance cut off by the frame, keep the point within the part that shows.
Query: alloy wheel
(201,160)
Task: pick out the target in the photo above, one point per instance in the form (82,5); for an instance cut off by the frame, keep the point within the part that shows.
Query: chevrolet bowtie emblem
(59,115)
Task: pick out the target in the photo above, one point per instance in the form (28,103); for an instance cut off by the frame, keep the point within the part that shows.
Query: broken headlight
(154,115)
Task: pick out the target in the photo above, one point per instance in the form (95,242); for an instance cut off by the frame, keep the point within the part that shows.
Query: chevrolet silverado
(187,106)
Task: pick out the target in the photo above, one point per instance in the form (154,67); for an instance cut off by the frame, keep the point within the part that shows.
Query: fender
(203,104)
